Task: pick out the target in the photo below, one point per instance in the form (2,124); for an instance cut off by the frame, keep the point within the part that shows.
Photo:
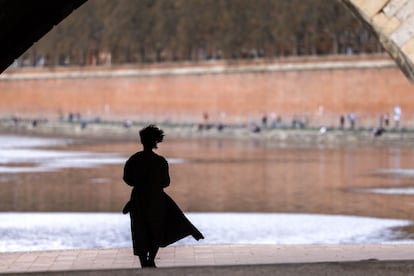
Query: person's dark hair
(151,135)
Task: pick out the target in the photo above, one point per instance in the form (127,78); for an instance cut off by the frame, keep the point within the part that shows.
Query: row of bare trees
(147,31)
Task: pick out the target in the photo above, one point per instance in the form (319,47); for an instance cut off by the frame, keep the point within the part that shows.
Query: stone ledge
(234,259)
(361,268)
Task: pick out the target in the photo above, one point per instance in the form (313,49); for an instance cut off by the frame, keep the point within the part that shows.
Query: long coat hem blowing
(156,220)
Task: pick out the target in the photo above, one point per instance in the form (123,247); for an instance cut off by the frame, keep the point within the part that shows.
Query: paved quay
(361,259)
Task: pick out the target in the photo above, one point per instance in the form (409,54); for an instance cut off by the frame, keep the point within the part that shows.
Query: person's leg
(143,260)
(151,256)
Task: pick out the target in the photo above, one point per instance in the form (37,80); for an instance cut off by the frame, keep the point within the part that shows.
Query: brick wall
(320,94)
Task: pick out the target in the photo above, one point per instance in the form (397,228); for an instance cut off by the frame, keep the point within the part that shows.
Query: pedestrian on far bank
(351,118)
(342,121)
(264,120)
(387,120)
(397,116)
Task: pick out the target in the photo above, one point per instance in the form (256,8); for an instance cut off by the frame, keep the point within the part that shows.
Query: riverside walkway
(358,259)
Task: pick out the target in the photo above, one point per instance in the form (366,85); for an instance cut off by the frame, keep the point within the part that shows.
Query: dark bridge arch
(22,23)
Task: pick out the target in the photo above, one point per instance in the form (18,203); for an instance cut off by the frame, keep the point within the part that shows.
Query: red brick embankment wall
(316,89)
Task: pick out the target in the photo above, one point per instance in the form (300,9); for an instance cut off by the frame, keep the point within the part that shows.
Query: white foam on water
(389,191)
(11,141)
(53,231)
(394,172)
(176,160)
(397,172)
(15,150)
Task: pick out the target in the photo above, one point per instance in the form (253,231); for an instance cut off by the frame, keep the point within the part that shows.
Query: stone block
(394,6)
(380,20)
(404,32)
(408,49)
(384,24)
(390,26)
(357,3)
(369,7)
(406,11)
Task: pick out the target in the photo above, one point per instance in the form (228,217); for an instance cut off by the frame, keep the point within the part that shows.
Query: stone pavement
(233,257)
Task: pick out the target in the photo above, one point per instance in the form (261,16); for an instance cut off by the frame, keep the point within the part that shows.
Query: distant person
(397,116)
(156,221)
(351,119)
(204,124)
(255,128)
(127,124)
(264,120)
(279,119)
(342,122)
(387,119)
(378,131)
(15,120)
(205,117)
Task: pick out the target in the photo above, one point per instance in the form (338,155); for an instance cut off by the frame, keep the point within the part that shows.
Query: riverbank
(282,135)
(316,90)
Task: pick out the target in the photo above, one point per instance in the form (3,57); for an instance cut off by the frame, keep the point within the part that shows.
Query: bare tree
(141,31)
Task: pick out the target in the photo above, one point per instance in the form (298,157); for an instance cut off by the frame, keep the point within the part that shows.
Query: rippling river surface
(234,191)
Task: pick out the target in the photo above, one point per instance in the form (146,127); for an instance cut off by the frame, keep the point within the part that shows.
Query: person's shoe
(151,263)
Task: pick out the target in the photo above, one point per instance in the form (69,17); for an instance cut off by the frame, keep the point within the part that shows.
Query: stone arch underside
(392,21)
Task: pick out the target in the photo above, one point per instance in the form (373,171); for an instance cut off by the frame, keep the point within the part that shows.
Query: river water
(56,191)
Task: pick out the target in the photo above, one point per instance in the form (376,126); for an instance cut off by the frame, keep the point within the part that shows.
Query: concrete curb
(364,267)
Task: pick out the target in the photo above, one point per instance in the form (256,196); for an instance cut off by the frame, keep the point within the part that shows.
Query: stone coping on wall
(199,69)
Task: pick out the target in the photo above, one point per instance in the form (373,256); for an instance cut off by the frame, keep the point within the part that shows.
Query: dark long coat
(156,221)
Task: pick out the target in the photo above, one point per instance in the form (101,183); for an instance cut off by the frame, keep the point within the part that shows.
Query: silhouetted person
(156,221)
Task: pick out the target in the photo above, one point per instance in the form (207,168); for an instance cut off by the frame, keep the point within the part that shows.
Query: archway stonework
(392,21)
